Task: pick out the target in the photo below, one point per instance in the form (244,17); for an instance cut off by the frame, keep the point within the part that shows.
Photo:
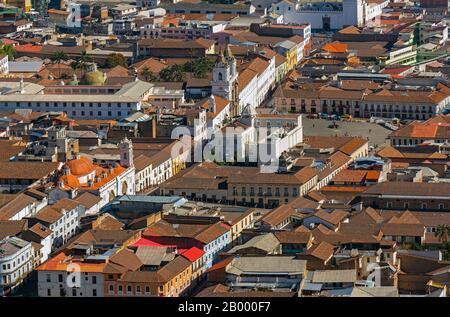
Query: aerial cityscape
(216,148)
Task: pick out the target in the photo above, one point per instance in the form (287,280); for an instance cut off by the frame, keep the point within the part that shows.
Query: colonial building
(81,175)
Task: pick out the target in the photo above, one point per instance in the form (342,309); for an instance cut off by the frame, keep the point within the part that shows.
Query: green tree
(116,59)
(172,73)
(58,58)
(148,75)
(82,62)
(200,67)
(8,50)
(443,233)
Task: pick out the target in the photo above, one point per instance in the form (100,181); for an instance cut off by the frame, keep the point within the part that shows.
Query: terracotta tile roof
(100,237)
(127,259)
(27,170)
(212,232)
(15,205)
(323,251)
(335,217)
(353,145)
(107,222)
(220,104)
(88,200)
(154,65)
(399,229)
(409,189)
(335,47)
(40,230)
(350,176)
(60,262)
(12,227)
(174,268)
(176,43)
(293,237)
(278,215)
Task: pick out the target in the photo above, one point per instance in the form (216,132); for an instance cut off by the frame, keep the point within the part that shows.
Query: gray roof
(379,291)
(151,199)
(266,265)
(334,276)
(11,245)
(154,256)
(266,242)
(25,67)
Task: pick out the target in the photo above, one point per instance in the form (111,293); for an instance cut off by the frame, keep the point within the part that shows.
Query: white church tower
(224,75)
(126,153)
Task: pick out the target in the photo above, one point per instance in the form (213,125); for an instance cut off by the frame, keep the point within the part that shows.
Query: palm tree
(82,62)
(442,233)
(147,75)
(57,58)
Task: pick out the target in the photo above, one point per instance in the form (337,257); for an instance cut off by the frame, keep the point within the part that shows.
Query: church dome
(81,166)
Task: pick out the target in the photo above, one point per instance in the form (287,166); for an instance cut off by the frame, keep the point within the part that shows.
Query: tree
(172,73)
(8,50)
(116,59)
(443,233)
(200,67)
(82,62)
(57,58)
(148,75)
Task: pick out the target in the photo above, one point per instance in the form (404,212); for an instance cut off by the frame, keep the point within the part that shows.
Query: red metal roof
(193,254)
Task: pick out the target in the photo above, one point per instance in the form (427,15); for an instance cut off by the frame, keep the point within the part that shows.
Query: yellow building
(24,4)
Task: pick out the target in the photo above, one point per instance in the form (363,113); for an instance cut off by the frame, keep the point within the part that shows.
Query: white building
(25,204)
(42,236)
(55,278)
(62,218)
(16,256)
(74,17)
(4,64)
(330,15)
(253,132)
(249,87)
(106,182)
(93,102)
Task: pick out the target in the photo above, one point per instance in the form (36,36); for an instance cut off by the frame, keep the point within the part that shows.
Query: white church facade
(331,15)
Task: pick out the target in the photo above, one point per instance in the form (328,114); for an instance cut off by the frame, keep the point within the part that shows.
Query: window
(94,292)
(111,289)
(48,278)
(423,206)
(49,292)
(94,280)
(60,278)
(441,206)
(74,292)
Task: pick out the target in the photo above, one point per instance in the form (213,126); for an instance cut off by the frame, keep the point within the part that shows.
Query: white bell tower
(224,75)
(126,153)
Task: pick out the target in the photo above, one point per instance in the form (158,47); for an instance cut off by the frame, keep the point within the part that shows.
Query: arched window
(220,76)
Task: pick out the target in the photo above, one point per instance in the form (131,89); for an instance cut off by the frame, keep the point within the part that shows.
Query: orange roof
(350,189)
(373,175)
(28,48)
(80,167)
(60,262)
(335,47)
